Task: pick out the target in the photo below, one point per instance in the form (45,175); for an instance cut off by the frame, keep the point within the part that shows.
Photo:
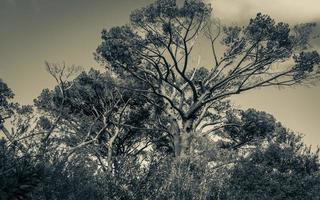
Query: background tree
(283,169)
(6,107)
(19,172)
(98,118)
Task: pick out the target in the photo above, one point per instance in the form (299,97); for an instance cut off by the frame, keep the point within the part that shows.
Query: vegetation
(155,125)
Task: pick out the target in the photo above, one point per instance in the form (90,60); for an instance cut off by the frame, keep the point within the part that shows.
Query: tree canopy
(156,47)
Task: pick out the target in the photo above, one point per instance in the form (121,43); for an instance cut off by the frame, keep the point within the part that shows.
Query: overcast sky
(286,10)
(32,31)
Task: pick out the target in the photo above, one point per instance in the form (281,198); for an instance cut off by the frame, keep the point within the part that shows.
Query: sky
(35,31)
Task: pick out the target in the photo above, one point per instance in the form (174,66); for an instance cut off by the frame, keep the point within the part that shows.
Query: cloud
(293,11)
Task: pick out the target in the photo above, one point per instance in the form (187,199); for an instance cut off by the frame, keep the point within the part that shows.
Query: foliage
(5,95)
(19,176)
(285,169)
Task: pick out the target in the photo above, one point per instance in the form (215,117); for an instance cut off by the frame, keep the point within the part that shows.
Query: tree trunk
(110,144)
(109,157)
(183,139)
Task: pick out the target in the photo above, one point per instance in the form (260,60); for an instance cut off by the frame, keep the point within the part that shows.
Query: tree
(19,116)
(6,107)
(97,118)
(156,48)
(283,169)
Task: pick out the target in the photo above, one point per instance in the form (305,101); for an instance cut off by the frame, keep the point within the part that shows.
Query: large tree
(156,48)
